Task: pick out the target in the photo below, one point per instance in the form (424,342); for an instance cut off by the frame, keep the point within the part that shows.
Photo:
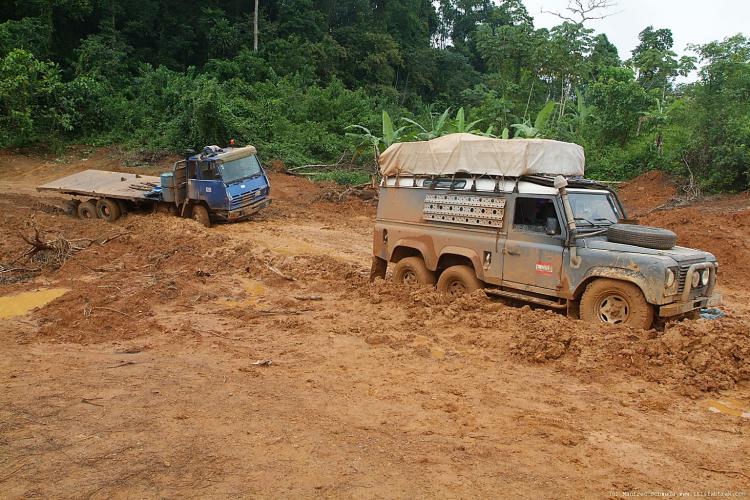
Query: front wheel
(458,280)
(200,215)
(616,303)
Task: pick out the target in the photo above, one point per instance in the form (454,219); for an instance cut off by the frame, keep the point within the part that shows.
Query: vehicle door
(206,184)
(534,245)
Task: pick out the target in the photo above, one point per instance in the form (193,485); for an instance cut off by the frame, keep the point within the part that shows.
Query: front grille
(245,199)
(682,276)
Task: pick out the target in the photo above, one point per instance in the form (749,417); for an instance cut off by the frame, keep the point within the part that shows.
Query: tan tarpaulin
(237,153)
(474,154)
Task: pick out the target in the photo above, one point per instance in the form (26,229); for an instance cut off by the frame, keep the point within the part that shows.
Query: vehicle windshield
(593,209)
(235,170)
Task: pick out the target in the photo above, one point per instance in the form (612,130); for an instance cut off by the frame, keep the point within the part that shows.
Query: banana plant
(460,125)
(443,125)
(437,127)
(528,131)
(581,114)
(367,139)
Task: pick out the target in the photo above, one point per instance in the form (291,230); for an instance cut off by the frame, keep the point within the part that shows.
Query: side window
(448,183)
(208,172)
(536,215)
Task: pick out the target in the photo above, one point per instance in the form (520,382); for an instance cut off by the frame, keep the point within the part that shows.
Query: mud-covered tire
(108,209)
(616,302)
(71,207)
(86,210)
(200,215)
(413,271)
(458,280)
(642,236)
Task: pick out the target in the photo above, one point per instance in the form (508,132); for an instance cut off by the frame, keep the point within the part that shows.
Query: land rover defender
(517,218)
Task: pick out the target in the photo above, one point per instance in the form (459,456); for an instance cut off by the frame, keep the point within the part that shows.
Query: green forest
(327,77)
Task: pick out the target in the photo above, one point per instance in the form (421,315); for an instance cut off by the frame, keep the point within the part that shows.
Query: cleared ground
(141,380)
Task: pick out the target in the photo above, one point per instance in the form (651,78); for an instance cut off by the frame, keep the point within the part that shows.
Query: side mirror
(552,226)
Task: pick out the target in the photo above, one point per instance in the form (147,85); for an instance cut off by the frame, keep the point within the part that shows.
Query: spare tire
(642,236)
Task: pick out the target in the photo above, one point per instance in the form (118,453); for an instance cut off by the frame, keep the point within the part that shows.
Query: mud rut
(142,379)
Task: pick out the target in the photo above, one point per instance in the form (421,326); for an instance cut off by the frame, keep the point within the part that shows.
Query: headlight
(704,277)
(670,278)
(696,279)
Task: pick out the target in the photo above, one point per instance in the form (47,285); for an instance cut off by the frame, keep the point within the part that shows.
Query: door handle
(512,252)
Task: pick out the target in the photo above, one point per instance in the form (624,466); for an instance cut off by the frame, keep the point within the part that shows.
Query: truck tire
(617,303)
(71,207)
(412,271)
(87,210)
(458,280)
(200,215)
(642,236)
(108,209)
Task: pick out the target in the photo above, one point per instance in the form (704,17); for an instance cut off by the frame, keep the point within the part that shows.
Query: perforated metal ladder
(486,211)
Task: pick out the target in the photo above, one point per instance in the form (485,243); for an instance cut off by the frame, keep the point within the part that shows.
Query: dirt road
(255,359)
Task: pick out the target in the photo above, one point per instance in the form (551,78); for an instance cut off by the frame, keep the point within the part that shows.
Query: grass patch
(346,177)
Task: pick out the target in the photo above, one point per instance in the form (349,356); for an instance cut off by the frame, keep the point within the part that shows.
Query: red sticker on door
(544,267)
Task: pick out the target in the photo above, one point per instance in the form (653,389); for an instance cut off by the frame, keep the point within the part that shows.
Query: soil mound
(694,356)
(646,192)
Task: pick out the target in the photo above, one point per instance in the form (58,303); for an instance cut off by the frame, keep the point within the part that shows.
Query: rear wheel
(200,215)
(458,280)
(71,207)
(413,271)
(108,209)
(617,303)
(87,210)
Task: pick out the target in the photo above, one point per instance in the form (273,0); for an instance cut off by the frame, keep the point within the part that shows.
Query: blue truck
(217,185)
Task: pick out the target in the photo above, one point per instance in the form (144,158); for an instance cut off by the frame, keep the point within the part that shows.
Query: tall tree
(655,61)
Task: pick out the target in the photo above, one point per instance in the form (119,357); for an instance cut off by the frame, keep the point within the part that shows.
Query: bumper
(244,212)
(682,307)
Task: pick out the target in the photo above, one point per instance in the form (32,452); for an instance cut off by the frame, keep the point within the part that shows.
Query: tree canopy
(167,75)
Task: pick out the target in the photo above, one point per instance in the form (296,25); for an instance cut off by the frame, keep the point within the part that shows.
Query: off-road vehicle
(518,219)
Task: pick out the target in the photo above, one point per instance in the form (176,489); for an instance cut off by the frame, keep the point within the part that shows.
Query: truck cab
(226,184)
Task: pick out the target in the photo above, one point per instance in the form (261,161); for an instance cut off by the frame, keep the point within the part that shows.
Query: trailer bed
(103,184)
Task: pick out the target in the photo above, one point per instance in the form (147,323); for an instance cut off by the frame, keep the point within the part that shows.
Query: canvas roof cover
(479,155)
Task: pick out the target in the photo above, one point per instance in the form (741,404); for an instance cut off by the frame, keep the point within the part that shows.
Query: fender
(464,252)
(427,250)
(618,273)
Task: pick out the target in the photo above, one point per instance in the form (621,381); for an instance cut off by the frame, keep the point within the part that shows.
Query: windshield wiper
(593,224)
(605,218)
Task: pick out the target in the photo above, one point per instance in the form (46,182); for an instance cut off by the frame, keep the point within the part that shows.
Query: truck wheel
(412,271)
(458,280)
(108,209)
(71,207)
(616,303)
(200,215)
(87,210)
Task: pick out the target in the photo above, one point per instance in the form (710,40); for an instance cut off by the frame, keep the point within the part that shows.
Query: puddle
(22,303)
(727,407)
(254,289)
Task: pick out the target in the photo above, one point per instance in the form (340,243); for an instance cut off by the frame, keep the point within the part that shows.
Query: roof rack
(575,182)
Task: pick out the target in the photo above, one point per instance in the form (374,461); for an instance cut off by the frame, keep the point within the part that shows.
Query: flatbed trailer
(102,184)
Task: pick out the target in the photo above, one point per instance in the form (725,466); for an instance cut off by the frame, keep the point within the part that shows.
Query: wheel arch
(620,274)
(454,256)
(410,248)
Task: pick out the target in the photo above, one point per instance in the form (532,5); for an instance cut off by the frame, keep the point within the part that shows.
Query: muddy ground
(143,380)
